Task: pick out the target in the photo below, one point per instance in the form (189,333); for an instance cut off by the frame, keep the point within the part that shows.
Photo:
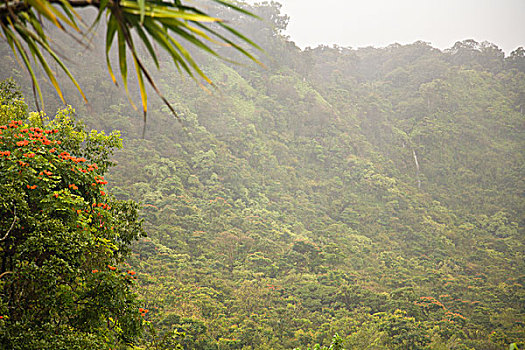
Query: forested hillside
(373,193)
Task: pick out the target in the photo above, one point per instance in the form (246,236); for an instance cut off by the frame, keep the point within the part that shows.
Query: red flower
(94,271)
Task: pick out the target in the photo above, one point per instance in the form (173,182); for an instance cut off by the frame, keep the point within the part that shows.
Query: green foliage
(62,239)
(292,208)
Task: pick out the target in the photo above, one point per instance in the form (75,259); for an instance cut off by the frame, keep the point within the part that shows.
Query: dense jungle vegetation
(376,194)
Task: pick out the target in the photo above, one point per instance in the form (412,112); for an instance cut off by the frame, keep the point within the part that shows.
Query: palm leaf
(14,42)
(110,35)
(162,22)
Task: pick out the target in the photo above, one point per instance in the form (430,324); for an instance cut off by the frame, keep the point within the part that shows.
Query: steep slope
(373,193)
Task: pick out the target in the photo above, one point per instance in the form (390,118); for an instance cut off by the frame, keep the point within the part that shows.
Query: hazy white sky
(358,23)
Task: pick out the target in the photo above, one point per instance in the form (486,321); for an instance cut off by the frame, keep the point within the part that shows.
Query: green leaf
(121,39)
(236,8)
(12,39)
(110,35)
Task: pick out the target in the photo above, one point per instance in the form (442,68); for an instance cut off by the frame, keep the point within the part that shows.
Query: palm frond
(169,24)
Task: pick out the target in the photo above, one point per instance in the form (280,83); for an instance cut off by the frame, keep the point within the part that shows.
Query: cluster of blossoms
(128,273)
(428,302)
(143,311)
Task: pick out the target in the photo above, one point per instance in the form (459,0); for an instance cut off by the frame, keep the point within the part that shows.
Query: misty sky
(358,23)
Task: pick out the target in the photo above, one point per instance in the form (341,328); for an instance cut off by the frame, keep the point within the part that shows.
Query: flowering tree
(62,237)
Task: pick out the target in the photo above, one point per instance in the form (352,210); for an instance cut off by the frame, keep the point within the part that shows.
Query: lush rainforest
(366,198)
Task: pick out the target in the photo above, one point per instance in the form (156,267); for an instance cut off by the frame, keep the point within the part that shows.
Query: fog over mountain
(379,23)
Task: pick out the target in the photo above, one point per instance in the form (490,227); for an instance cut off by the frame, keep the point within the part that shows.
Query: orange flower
(56,195)
(102,193)
(112,268)
(73,187)
(94,271)
(53,150)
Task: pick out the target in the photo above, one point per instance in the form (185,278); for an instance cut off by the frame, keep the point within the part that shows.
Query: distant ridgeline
(376,194)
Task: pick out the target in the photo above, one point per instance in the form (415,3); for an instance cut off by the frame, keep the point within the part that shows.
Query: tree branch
(5,273)
(12,225)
